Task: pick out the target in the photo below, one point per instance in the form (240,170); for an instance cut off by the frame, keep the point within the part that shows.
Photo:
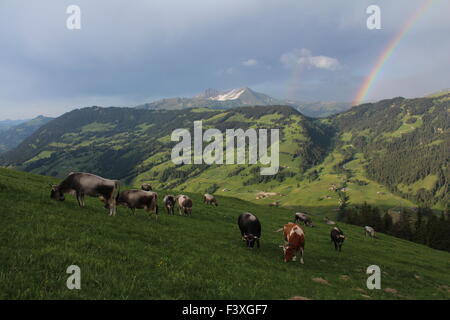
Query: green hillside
(393,153)
(198,257)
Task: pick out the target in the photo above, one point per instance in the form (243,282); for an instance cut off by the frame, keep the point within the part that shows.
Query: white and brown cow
(369,231)
(210,199)
(139,199)
(184,204)
(169,203)
(81,184)
(294,242)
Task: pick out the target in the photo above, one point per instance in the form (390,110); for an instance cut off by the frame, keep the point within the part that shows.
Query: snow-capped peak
(229,95)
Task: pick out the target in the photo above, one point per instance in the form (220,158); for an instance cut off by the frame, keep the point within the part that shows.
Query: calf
(210,199)
(81,184)
(369,231)
(184,204)
(250,229)
(294,242)
(139,199)
(337,236)
(146,187)
(304,218)
(169,204)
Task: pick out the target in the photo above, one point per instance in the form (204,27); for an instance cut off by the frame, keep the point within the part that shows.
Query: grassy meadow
(198,257)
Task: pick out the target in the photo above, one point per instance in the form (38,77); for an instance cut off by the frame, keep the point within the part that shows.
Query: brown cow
(294,237)
(184,204)
(139,199)
(146,187)
(210,199)
(81,184)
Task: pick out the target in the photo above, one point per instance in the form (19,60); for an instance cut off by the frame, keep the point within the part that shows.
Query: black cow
(337,236)
(139,199)
(81,184)
(250,229)
(169,203)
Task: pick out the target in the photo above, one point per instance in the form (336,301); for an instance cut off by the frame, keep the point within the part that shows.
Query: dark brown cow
(184,204)
(210,199)
(338,237)
(139,199)
(304,218)
(81,184)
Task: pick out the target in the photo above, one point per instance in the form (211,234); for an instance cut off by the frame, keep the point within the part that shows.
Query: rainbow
(387,52)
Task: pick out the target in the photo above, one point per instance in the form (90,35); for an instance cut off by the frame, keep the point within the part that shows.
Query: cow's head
(289,252)
(250,239)
(56,193)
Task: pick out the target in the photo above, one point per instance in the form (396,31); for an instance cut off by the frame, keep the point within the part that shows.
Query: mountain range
(393,153)
(215,99)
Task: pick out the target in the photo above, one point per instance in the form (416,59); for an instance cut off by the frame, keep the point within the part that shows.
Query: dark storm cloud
(132,52)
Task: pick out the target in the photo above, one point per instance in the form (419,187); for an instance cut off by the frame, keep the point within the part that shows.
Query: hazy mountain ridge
(15,134)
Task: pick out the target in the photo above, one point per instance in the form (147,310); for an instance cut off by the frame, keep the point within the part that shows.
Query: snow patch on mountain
(230,95)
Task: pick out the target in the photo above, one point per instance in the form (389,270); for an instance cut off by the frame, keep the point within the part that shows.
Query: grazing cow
(369,231)
(250,229)
(81,184)
(304,218)
(274,204)
(169,204)
(146,187)
(139,199)
(328,221)
(184,204)
(210,199)
(337,236)
(294,242)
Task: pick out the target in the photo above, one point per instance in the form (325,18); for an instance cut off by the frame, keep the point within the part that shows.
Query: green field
(198,257)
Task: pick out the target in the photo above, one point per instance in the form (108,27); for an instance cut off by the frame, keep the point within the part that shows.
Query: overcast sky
(131,52)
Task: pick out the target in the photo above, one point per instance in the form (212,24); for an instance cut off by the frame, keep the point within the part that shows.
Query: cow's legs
(112,206)
(80,203)
(301,256)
